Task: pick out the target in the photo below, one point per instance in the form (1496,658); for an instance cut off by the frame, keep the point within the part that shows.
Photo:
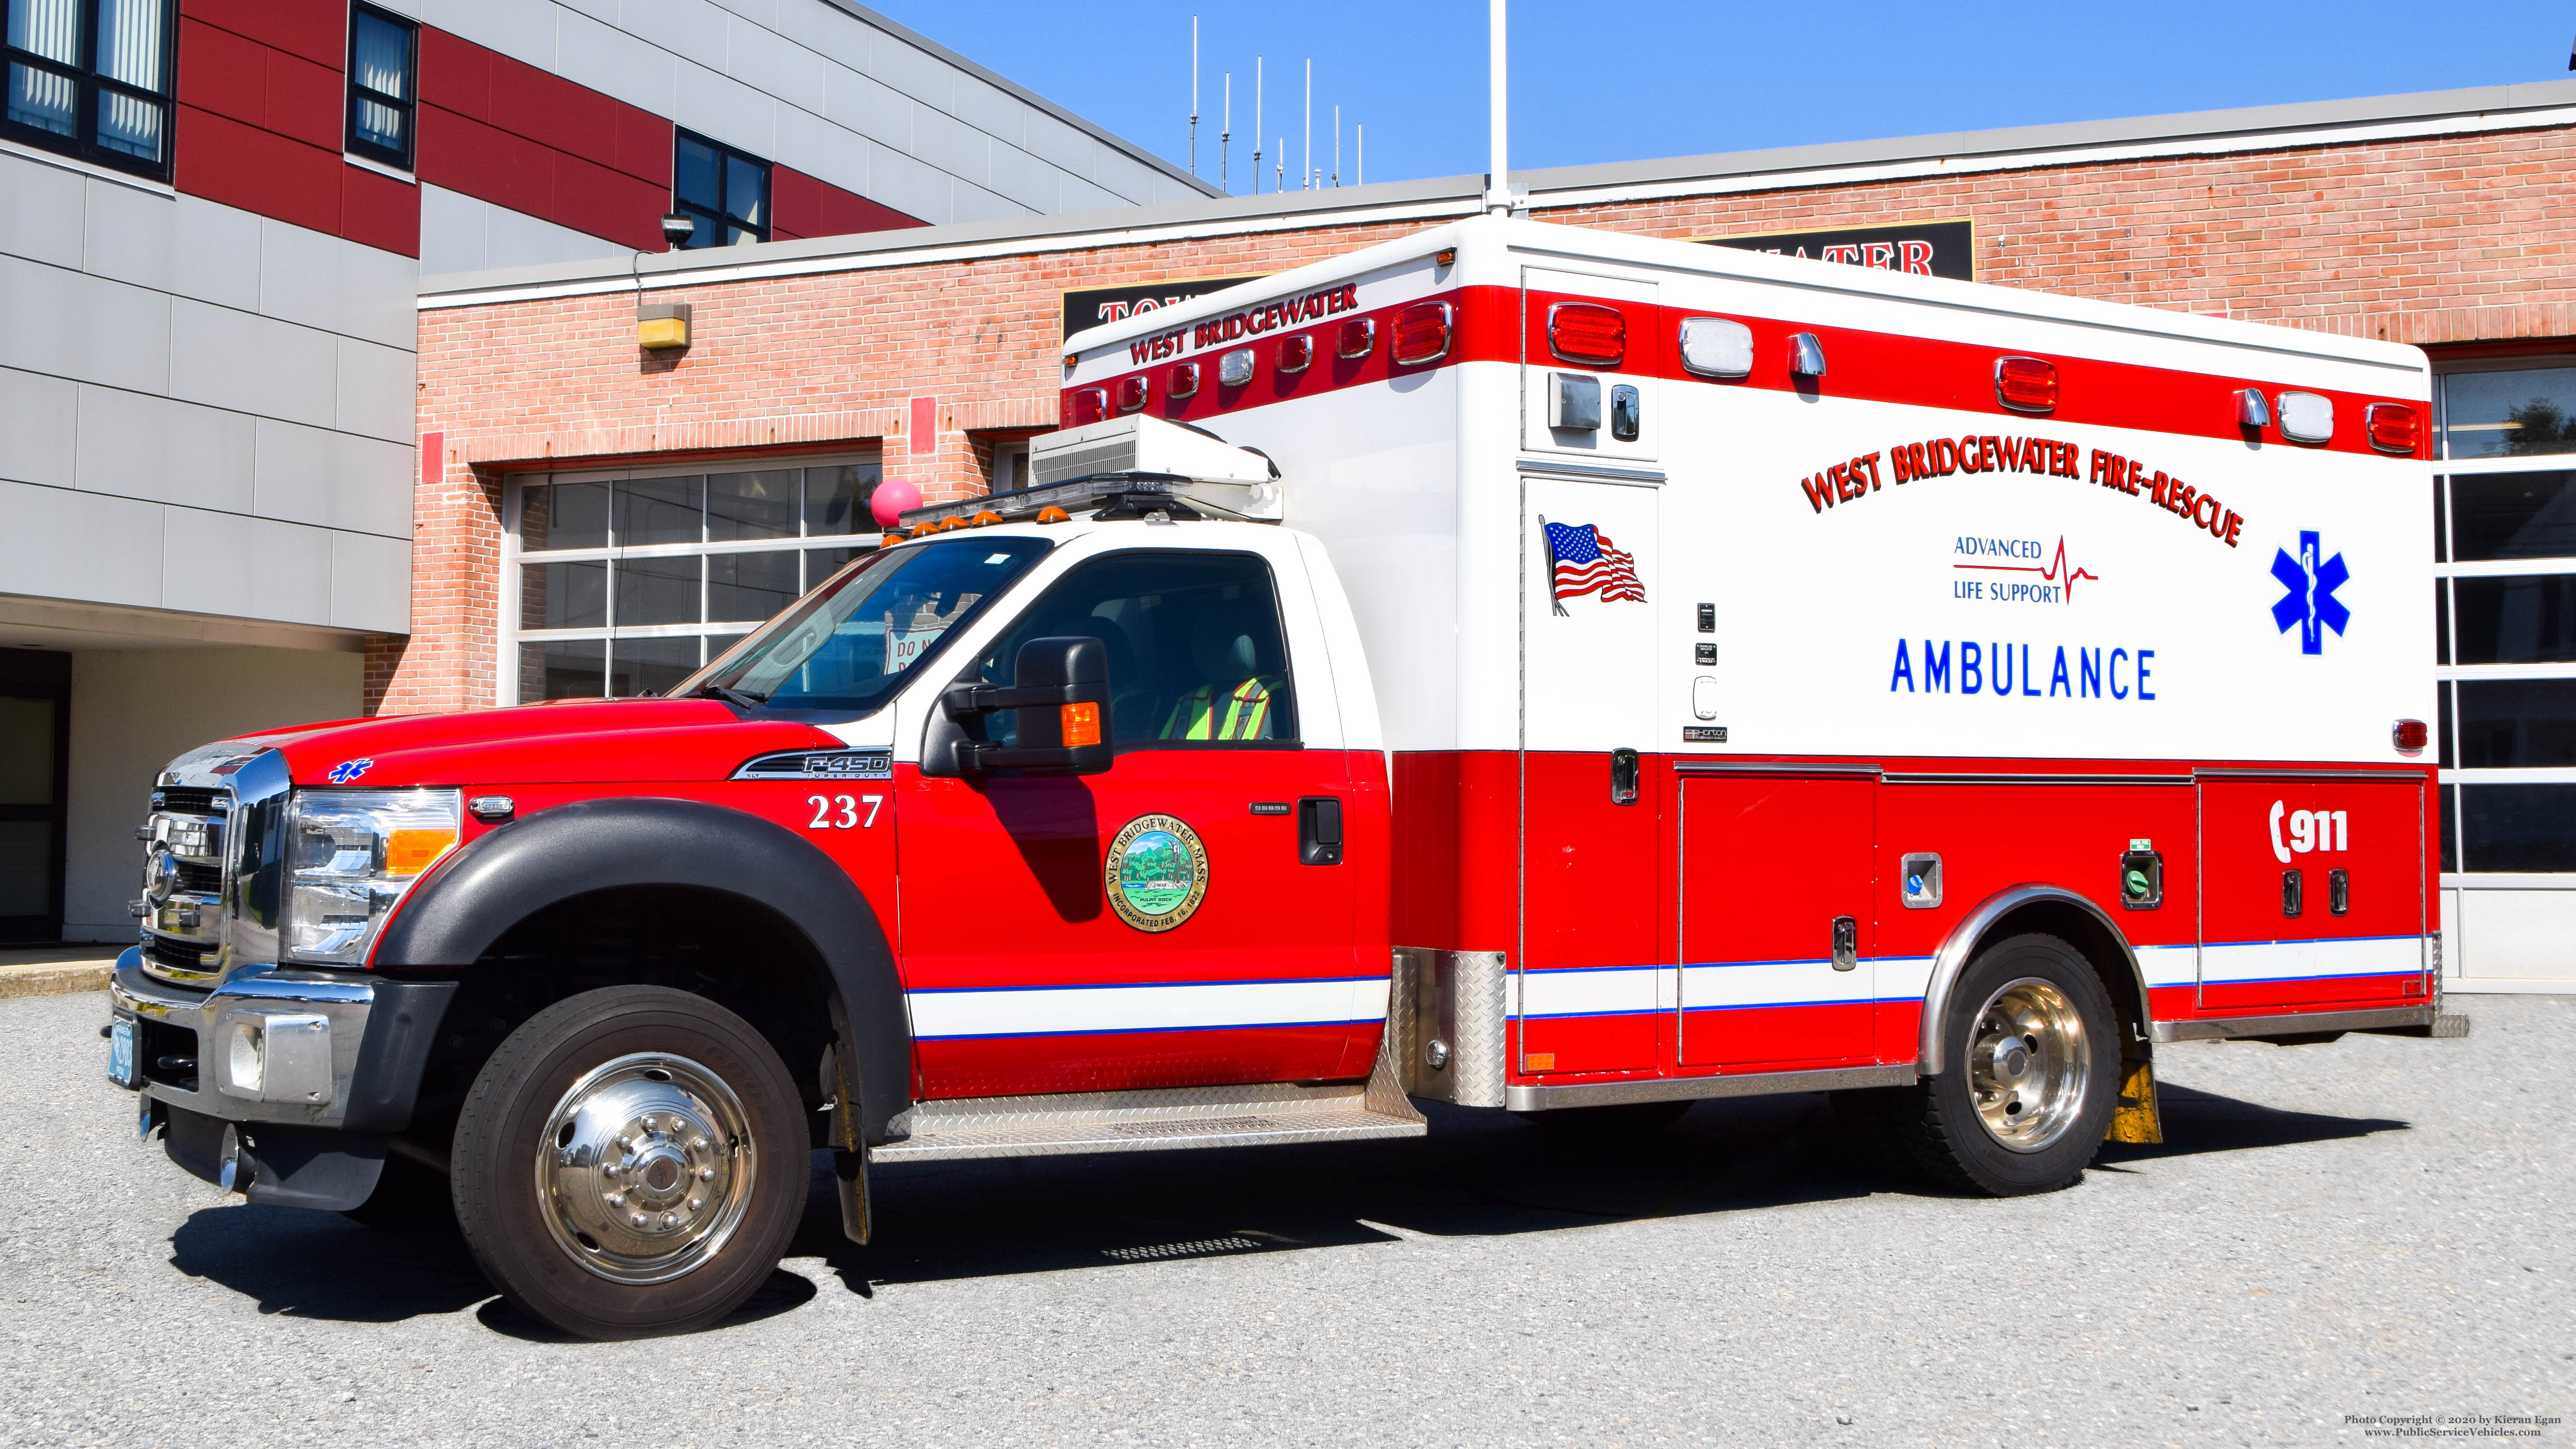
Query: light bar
(1105,493)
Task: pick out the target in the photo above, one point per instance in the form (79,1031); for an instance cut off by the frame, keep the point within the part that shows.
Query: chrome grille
(177,960)
(179,801)
(183,883)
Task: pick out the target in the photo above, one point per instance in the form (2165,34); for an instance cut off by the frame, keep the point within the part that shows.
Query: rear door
(2313,892)
(1775,920)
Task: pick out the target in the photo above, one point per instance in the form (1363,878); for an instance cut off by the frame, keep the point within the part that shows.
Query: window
(629,584)
(1196,656)
(382,52)
(724,191)
(91,79)
(2505,603)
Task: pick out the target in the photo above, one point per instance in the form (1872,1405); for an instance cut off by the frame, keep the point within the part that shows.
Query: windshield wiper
(739,698)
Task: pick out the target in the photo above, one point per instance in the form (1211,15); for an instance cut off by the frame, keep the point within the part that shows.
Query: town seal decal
(1157,872)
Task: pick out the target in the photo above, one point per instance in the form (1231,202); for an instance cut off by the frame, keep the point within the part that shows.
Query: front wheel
(2032,1076)
(630,1162)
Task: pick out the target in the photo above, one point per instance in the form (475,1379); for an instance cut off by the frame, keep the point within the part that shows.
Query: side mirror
(1060,690)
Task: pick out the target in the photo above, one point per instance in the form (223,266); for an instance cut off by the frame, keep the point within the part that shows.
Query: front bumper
(302,1073)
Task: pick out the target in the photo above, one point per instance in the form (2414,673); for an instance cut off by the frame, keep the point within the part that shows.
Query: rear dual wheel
(630,1162)
(2032,1074)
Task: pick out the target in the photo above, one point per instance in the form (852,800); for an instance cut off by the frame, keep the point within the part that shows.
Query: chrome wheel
(2029,1060)
(645,1168)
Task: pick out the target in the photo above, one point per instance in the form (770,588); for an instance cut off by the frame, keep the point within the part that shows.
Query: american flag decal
(1585,561)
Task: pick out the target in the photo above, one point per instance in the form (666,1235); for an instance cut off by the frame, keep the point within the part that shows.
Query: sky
(1596,82)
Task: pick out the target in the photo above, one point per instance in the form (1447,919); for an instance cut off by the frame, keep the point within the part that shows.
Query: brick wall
(2433,241)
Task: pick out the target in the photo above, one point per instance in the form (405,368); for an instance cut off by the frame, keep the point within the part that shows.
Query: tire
(409,1198)
(672,1150)
(1626,1119)
(2006,1118)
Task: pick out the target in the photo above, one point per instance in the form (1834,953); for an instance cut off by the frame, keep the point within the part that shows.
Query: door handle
(1846,943)
(1319,830)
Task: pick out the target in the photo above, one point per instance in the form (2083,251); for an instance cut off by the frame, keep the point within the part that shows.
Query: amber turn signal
(410,851)
(1081,725)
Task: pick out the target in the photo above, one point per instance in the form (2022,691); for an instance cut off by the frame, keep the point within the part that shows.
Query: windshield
(847,645)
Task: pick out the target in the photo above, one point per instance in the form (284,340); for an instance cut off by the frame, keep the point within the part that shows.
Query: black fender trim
(504,877)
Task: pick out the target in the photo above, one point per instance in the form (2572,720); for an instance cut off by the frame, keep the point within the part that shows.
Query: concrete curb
(54,978)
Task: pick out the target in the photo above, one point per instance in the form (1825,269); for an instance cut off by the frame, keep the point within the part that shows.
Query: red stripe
(1862,365)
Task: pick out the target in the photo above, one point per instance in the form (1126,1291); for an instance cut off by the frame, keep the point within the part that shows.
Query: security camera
(677,229)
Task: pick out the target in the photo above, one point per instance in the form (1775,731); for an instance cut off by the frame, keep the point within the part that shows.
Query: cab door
(1179,920)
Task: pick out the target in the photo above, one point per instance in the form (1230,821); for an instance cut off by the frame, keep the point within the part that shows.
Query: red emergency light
(2026,384)
(1588,333)
(2410,736)
(1422,333)
(1297,352)
(1132,392)
(1358,339)
(1090,405)
(2393,427)
(1184,381)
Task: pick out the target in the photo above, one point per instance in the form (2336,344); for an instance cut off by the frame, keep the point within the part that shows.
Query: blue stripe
(1151,1030)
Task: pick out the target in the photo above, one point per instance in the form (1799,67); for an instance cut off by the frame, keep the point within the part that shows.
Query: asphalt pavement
(2377,1227)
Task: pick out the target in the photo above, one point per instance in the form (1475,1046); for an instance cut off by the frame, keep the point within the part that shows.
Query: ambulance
(1512,666)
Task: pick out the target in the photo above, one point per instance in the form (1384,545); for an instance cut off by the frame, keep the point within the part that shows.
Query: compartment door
(1769,865)
(1592,954)
(1571,359)
(2266,945)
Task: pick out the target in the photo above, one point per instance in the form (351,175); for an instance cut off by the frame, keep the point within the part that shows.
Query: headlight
(350,855)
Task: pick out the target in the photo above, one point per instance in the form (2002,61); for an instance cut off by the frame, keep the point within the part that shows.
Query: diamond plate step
(1267,1112)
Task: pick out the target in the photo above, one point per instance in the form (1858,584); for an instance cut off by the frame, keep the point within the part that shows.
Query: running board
(1154,1120)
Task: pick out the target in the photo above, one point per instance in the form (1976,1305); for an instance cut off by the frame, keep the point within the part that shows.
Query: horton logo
(2310,604)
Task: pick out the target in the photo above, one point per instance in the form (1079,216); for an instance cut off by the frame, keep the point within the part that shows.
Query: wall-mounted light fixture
(662,326)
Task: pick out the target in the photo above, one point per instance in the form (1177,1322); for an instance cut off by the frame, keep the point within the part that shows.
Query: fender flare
(511,873)
(1964,938)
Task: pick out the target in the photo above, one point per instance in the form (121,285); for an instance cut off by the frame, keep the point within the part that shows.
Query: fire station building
(214,218)
(597,517)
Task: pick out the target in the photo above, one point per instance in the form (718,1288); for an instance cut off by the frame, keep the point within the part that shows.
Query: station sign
(1925,248)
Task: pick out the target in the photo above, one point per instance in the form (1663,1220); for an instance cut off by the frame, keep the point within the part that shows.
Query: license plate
(120,1054)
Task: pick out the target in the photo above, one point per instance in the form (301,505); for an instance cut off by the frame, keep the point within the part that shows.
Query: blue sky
(1614,82)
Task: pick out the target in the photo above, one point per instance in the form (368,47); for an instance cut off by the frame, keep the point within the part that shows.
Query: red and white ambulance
(1512,666)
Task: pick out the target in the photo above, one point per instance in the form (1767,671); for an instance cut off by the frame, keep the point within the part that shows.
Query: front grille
(202,880)
(178,955)
(192,802)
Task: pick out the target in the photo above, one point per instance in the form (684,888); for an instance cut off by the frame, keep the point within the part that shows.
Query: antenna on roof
(1256,125)
(1306,167)
(1337,145)
(1498,176)
(1359,144)
(1194,95)
(1224,138)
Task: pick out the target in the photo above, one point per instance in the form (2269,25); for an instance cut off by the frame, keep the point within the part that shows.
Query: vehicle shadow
(1478,1174)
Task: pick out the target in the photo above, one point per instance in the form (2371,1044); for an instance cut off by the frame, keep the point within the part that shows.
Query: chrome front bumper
(271,1046)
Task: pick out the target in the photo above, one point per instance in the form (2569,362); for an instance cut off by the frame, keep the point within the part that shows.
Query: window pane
(2441,621)
(658,590)
(2506,723)
(751,505)
(381,51)
(2448,757)
(129,43)
(1195,650)
(50,28)
(822,563)
(562,669)
(847,648)
(704,231)
(2513,515)
(695,174)
(2518,827)
(26,751)
(2450,827)
(563,595)
(717,644)
(2504,414)
(746,197)
(563,515)
(747,588)
(836,499)
(650,666)
(26,868)
(2523,619)
(129,125)
(377,124)
(41,99)
(2441,524)
(658,510)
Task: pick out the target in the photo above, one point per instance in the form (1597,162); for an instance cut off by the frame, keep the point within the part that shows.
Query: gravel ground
(2376,1227)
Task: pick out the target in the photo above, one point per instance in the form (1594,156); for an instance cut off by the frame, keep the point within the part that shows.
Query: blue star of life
(347,770)
(2310,603)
